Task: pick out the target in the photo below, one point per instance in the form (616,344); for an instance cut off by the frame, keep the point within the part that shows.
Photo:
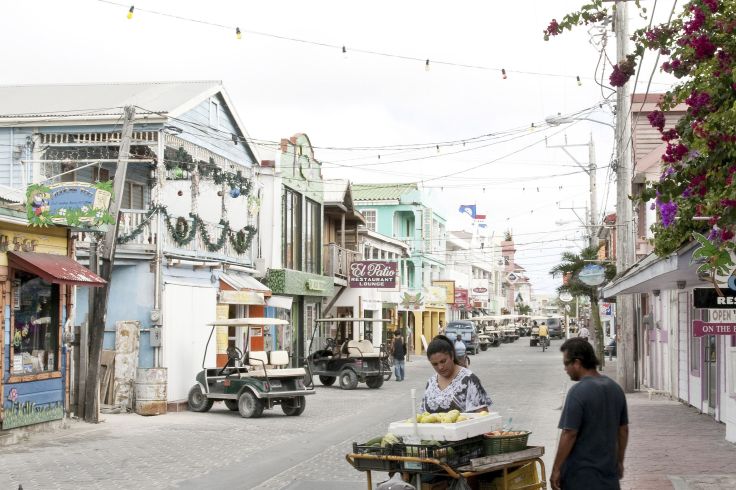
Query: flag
(469,209)
(482,225)
(480,217)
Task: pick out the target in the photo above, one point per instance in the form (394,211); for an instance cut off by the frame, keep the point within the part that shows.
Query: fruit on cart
(389,440)
(483,413)
(461,418)
(498,433)
(376,441)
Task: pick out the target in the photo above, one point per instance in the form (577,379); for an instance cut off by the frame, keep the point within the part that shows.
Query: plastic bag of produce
(395,483)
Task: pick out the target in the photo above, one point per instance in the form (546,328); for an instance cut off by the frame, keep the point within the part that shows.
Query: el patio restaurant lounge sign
(373,274)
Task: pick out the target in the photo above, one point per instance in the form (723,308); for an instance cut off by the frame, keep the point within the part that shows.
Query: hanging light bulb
(426,65)
(130,12)
(503,73)
(238,34)
(344,52)
(438,148)
(580,84)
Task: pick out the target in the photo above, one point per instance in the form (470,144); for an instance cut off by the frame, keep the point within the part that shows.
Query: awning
(240,298)
(244,282)
(56,269)
(674,271)
(280,302)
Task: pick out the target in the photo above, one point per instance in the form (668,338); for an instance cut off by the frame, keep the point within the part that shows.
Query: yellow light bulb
(130,12)
(580,84)
(238,34)
(426,66)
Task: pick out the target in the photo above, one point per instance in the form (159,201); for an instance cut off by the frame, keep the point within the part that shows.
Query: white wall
(186,311)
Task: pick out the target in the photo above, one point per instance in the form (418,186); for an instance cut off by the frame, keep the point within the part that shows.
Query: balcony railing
(131,220)
(198,247)
(337,260)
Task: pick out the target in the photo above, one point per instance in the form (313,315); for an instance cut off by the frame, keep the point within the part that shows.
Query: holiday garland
(180,165)
(183,233)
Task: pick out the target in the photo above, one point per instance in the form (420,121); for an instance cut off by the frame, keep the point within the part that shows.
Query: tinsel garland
(182,164)
(183,233)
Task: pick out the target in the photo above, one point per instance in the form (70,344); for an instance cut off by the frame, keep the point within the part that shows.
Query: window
(133,196)
(370,219)
(214,114)
(291,229)
(35,332)
(695,346)
(311,237)
(100,174)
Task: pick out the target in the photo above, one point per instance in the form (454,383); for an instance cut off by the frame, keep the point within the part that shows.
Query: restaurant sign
(69,203)
(373,274)
(709,298)
(701,328)
(461,298)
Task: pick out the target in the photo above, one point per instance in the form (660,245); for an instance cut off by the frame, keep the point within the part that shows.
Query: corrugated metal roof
(381,192)
(334,190)
(79,100)
(244,282)
(56,269)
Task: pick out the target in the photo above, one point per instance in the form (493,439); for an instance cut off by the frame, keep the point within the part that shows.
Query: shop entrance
(344,329)
(710,363)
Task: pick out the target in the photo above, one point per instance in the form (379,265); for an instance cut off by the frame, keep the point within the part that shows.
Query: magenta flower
(711,4)
(703,46)
(698,101)
(656,119)
(667,212)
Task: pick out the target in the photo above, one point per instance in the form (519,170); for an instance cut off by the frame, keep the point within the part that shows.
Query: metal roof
(85,100)
(244,282)
(381,192)
(56,269)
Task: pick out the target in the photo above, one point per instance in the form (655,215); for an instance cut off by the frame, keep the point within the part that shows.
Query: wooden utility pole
(99,312)
(625,252)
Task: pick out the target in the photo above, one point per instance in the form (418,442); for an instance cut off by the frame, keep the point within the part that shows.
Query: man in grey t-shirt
(594,424)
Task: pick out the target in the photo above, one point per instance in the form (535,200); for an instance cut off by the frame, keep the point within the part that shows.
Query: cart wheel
(484,347)
(198,401)
(231,404)
(249,406)
(387,375)
(294,407)
(327,380)
(374,382)
(348,380)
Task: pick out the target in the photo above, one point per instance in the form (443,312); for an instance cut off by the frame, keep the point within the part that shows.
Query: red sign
(461,297)
(480,290)
(701,328)
(373,274)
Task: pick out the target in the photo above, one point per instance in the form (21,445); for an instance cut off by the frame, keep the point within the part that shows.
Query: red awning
(56,269)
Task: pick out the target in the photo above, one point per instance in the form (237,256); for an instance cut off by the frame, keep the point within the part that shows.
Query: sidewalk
(672,445)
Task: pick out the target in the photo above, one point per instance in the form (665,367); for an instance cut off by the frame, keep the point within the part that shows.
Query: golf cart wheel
(198,401)
(327,380)
(293,407)
(348,380)
(249,406)
(484,347)
(231,404)
(387,375)
(374,382)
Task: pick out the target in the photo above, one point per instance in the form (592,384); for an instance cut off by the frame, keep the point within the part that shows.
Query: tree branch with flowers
(695,192)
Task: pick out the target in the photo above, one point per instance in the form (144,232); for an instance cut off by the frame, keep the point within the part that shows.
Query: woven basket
(504,444)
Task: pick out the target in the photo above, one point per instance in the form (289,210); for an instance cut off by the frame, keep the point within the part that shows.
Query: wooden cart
(505,464)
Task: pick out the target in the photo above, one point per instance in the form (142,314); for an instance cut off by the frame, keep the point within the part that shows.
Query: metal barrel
(150,391)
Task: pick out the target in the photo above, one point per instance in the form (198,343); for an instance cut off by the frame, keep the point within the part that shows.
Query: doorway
(710,359)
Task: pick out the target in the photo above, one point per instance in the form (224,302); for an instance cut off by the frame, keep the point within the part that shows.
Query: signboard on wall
(461,297)
(709,298)
(69,203)
(449,289)
(378,274)
(701,328)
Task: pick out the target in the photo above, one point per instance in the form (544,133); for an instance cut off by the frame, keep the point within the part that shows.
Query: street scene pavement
(220,449)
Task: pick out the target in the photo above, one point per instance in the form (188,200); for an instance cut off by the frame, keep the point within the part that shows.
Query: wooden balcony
(337,260)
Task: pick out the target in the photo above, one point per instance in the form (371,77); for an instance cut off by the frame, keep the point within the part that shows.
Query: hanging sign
(461,297)
(701,328)
(449,290)
(512,277)
(480,290)
(565,297)
(373,274)
(709,298)
(69,204)
(592,275)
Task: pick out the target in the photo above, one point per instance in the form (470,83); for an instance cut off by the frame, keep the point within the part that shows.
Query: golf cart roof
(325,320)
(242,322)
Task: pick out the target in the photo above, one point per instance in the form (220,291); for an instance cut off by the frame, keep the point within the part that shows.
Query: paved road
(221,450)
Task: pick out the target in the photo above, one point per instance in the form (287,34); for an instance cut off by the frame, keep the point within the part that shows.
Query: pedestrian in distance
(452,387)
(461,351)
(594,425)
(584,333)
(399,354)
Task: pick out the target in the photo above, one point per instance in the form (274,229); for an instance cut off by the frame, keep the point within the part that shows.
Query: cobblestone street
(221,450)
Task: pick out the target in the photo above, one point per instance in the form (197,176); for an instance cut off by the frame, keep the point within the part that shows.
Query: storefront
(307,292)
(37,277)
(425,311)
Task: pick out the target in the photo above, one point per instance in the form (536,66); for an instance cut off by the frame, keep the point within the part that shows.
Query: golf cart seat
(278,358)
(362,348)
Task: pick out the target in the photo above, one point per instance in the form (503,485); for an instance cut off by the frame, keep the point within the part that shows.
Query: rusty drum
(150,391)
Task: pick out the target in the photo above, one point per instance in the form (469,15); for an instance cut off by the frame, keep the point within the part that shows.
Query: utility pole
(98,315)
(625,257)
(591,170)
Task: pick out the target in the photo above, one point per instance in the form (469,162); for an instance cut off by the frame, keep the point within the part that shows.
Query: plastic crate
(452,453)
(504,444)
(374,464)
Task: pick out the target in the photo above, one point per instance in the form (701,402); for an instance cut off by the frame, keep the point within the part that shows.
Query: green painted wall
(297,283)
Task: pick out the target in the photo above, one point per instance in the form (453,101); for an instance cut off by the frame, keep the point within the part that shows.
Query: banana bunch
(383,441)
(450,417)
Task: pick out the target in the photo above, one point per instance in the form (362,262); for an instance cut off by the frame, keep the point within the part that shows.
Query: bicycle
(387,363)
(544,341)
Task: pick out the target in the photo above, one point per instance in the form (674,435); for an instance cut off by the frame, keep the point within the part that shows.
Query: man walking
(399,353)
(594,424)
(584,333)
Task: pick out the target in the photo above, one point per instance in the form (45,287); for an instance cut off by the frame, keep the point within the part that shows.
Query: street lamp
(557,120)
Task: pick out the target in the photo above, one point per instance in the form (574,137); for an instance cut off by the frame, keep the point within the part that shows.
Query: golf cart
(488,334)
(252,380)
(351,362)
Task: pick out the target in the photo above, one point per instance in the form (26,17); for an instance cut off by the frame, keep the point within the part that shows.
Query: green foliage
(523,309)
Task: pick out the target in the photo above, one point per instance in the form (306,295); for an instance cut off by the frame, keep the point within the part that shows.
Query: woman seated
(453,387)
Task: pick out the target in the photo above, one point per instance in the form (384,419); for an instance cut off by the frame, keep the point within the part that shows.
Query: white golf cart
(251,381)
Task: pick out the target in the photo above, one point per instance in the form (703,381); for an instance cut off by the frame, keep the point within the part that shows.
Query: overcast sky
(282,87)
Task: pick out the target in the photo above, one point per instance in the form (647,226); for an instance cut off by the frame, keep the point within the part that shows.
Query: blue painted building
(188,227)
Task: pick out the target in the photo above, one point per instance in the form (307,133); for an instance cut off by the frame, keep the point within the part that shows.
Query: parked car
(467,330)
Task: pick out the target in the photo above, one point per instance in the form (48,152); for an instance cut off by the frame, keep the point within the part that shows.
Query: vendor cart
(505,466)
